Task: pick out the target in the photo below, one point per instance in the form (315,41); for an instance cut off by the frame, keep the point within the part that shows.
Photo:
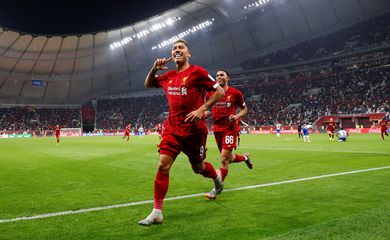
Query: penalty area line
(70,212)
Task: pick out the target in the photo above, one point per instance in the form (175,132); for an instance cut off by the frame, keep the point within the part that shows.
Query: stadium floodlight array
(145,32)
(183,34)
(258,3)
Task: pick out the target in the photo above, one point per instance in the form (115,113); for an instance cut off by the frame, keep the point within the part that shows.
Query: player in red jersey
(160,130)
(185,128)
(127,132)
(58,134)
(330,129)
(225,125)
(383,125)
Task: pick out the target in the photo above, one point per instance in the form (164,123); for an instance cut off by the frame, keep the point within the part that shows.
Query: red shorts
(330,131)
(226,140)
(193,146)
(127,134)
(57,135)
(383,130)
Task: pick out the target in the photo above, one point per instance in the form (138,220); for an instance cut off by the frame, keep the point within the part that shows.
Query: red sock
(224,173)
(209,171)
(161,184)
(239,158)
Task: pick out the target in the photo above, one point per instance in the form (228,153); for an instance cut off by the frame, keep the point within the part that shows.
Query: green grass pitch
(38,177)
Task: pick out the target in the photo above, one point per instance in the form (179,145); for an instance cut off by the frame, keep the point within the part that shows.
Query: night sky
(83,16)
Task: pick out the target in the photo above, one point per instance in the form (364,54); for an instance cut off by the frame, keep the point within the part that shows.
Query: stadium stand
(16,118)
(363,36)
(113,114)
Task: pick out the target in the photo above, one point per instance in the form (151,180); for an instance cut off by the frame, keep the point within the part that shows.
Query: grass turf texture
(38,177)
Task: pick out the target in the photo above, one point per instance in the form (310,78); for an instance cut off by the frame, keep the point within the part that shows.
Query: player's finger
(190,117)
(158,62)
(168,59)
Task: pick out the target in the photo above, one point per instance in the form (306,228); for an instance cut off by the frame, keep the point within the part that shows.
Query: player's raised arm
(159,64)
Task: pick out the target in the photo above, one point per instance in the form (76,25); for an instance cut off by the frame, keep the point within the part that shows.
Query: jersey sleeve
(161,79)
(205,80)
(240,99)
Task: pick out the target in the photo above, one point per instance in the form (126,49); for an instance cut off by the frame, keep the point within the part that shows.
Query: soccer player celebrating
(330,129)
(185,128)
(127,132)
(225,121)
(383,125)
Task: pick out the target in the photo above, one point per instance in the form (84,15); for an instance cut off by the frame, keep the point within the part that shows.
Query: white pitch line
(186,196)
(311,150)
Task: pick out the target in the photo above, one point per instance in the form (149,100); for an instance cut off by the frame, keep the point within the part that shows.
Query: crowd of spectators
(365,35)
(307,99)
(36,118)
(113,114)
(288,100)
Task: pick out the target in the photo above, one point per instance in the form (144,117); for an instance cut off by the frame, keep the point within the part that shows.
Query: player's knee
(225,159)
(162,167)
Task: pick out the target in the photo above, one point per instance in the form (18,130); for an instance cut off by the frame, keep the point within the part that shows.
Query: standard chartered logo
(177,90)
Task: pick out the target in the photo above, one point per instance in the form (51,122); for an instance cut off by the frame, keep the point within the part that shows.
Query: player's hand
(160,63)
(194,116)
(232,118)
(207,114)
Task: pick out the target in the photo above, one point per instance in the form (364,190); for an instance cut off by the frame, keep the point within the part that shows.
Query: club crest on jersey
(228,103)
(184,81)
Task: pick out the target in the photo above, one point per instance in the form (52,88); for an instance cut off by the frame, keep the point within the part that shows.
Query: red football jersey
(127,130)
(185,93)
(384,124)
(58,130)
(331,126)
(225,107)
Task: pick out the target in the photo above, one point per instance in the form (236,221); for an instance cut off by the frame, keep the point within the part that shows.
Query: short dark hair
(224,70)
(182,41)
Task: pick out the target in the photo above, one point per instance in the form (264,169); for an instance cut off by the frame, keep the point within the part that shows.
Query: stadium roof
(75,16)
(76,68)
